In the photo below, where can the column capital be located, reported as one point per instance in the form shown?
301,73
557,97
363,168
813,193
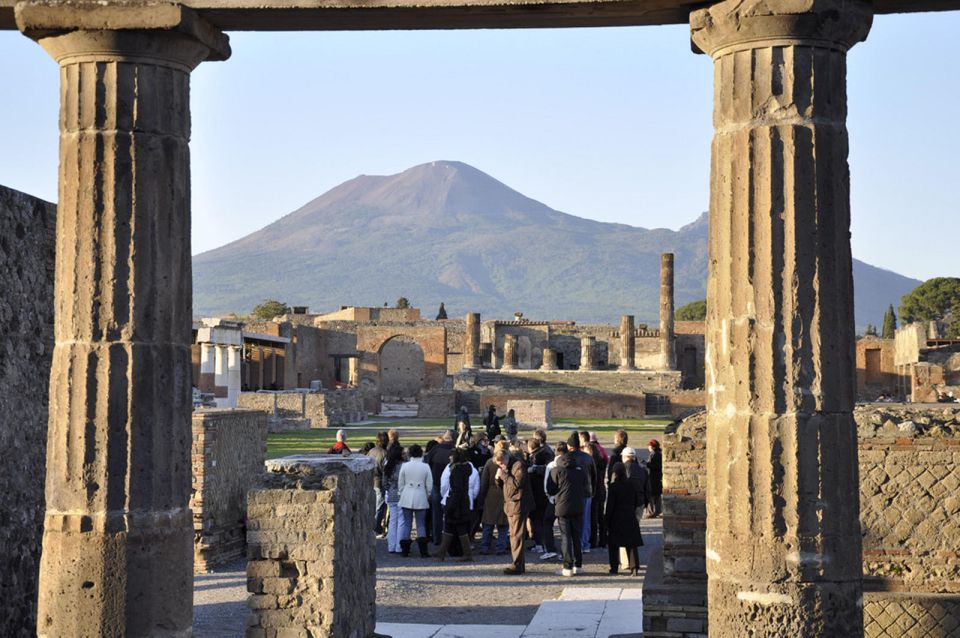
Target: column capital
734,25
165,34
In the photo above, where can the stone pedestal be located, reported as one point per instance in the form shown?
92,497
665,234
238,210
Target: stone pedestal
549,359
532,413
588,353
668,355
509,352
312,558
118,535
628,344
471,341
783,536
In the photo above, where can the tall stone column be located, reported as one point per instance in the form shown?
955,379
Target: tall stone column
668,355
233,376
208,358
220,378
628,344
117,544
783,534
549,359
471,341
509,352
588,353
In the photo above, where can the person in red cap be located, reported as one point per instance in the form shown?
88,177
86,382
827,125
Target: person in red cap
655,468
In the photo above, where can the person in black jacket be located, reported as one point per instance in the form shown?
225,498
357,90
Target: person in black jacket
568,483
585,461
620,440
622,525
655,468
492,423
539,457
457,511
637,475
437,458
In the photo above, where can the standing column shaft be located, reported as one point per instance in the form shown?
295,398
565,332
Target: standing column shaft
208,357
117,544
549,359
233,376
668,355
588,353
628,343
783,534
509,352
471,341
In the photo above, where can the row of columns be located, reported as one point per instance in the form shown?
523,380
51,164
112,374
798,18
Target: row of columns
783,544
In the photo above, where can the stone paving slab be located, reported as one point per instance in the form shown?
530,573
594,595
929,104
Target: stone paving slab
409,630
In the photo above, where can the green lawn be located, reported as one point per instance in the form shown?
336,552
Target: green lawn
422,430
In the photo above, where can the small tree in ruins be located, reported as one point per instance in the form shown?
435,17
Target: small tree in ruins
693,311
403,302
269,309
442,312
889,324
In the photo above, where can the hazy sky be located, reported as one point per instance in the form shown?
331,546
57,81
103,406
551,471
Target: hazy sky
610,124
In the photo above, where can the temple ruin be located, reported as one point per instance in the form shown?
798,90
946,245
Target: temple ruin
781,443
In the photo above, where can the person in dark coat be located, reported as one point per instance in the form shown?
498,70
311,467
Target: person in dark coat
437,458
457,509
598,525
539,457
622,526
585,461
620,440
462,415
517,503
567,482
638,476
492,423
491,500
655,468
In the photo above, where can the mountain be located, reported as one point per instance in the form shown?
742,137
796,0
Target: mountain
446,231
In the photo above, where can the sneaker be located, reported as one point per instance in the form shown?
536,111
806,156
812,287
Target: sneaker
576,570
548,555
380,537
567,572
585,550
537,549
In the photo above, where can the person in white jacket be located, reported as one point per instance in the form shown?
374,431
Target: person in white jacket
416,484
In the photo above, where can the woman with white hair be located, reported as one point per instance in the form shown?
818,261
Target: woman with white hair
340,447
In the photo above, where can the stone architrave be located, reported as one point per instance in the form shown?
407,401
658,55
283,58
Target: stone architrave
783,535
471,341
628,344
118,535
549,359
509,352
588,353
668,355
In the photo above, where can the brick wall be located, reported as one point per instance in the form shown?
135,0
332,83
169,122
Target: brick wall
312,559
229,447
532,414
303,410
27,238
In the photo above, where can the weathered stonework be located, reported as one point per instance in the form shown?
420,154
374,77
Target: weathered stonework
628,344
781,442
668,353
312,554
588,353
305,410
549,359
532,414
509,352
471,341
26,341
229,447
117,544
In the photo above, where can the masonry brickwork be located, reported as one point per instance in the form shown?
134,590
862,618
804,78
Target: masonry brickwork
305,410
312,559
229,448
532,414
27,227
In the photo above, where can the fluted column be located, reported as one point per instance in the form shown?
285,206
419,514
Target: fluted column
668,355
471,341
117,544
628,344
509,352
783,535
588,353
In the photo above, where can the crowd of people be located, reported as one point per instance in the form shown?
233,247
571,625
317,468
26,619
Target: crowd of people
510,492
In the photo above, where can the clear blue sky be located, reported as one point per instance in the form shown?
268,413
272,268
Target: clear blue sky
610,124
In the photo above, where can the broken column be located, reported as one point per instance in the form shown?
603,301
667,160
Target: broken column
588,353
783,535
118,535
471,341
668,355
509,352
549,359
628,344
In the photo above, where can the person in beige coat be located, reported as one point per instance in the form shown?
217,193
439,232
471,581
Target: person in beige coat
416,485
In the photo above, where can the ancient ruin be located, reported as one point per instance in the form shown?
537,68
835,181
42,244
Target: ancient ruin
781,448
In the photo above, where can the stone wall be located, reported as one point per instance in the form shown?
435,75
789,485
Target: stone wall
436,404
27,239
312,559
876,372
532,414
304,410
229,447
909,459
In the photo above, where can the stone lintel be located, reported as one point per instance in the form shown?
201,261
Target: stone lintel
40,20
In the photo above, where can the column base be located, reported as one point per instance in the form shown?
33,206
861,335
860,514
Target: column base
794,608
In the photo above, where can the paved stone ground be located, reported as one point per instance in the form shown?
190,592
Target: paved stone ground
426,591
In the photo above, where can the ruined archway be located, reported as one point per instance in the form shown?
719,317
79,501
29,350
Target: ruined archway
402,370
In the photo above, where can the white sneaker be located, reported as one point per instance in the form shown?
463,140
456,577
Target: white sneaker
575,571
548,555
567,572
538,549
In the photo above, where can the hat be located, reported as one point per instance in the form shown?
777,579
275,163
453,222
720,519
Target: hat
593,436
654,443
628,451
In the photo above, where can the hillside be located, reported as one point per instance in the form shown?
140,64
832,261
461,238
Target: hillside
446,231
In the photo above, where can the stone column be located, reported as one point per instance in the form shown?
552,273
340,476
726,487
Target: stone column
208,358
509,352
220,375
549,359
471,341
118,537
783,534
628,344
588,353
233,375
668,355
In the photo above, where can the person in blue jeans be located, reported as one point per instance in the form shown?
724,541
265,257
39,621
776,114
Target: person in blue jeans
585,461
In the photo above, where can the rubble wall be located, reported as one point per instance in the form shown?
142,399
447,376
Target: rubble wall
27,240
229,448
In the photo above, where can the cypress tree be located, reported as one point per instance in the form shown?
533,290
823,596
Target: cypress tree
442,313
889,323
